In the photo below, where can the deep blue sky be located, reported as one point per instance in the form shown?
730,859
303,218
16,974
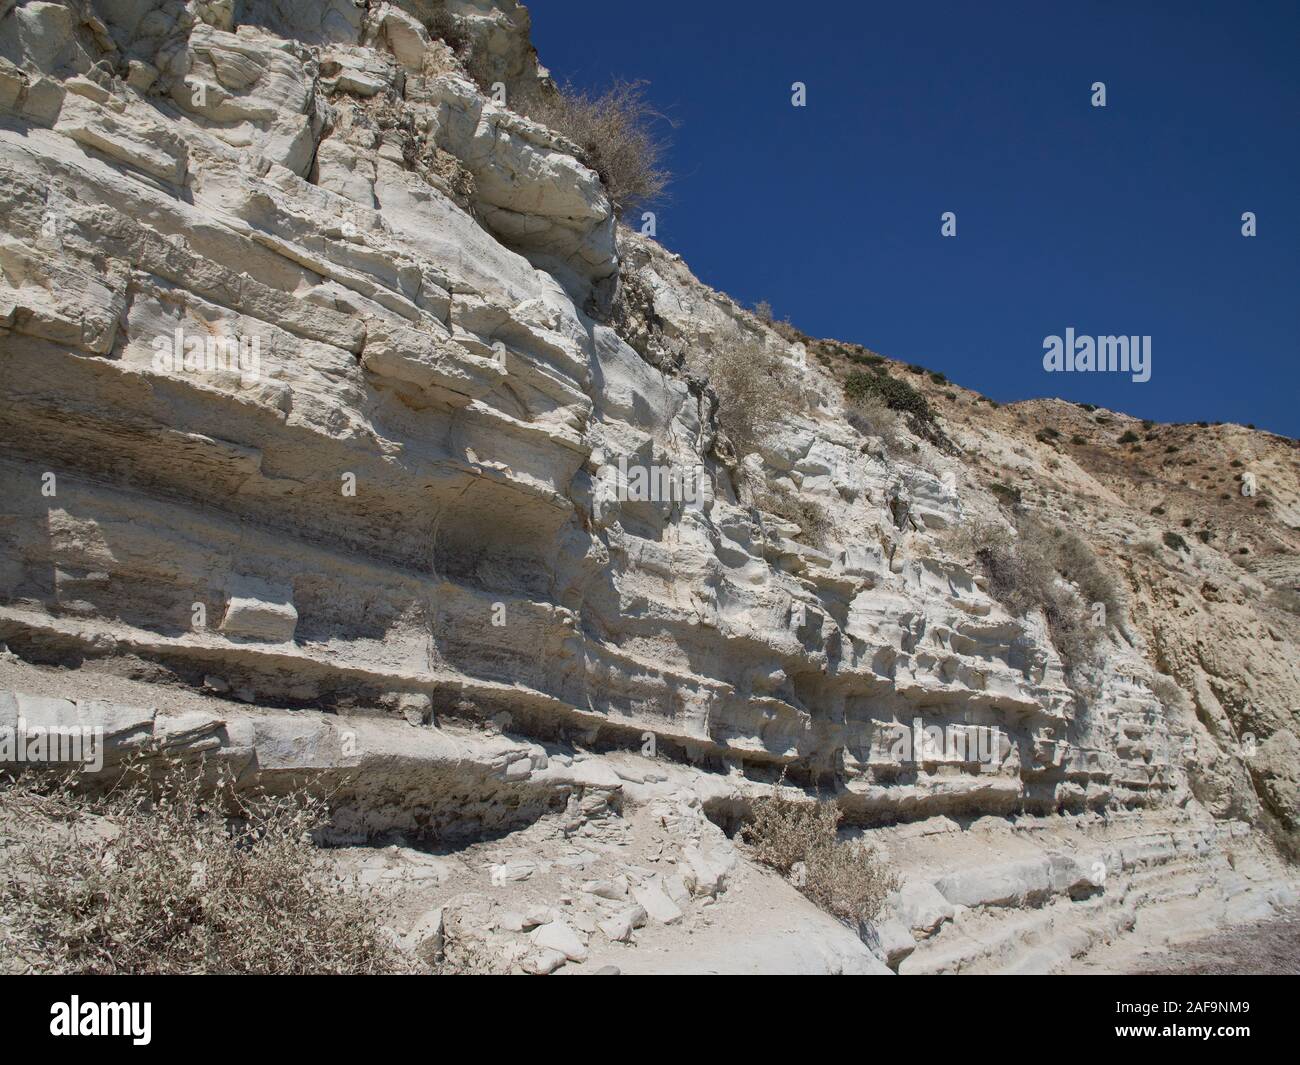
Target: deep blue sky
1115,220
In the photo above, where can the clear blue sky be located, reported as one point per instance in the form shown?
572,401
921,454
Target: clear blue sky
1117,220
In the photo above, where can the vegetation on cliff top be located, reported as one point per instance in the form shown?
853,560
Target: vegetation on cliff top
615,131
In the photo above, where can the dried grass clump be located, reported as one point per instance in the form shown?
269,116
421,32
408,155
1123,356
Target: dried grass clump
1148,548
446,27
801,841
1071,557
1022,572
158,877
870,415
467,955
808,514
751,392
616,134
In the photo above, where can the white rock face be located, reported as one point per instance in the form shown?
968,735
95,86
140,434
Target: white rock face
300,322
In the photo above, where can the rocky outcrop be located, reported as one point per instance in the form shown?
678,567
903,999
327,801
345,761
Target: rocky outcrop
312,409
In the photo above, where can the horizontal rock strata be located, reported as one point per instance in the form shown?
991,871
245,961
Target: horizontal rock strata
314,361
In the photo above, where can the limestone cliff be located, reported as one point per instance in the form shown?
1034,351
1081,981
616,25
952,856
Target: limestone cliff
316,361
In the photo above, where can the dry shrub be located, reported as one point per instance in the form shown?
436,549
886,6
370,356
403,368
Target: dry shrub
751,393
808,514
1022,574
446,27
156,877
473,55
1018,580
1074,635
1147,547
616,134
1071,557
870,415
800,840
792,334
468,955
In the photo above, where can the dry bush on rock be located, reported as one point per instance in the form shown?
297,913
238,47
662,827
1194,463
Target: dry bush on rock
1023,571
808,514
870,415
751,393
800,840
1287,599
155,877
615,132
446,27
1070,555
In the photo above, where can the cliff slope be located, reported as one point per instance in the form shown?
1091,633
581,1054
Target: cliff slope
331,387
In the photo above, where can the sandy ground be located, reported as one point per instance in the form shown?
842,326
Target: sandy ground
1271,948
